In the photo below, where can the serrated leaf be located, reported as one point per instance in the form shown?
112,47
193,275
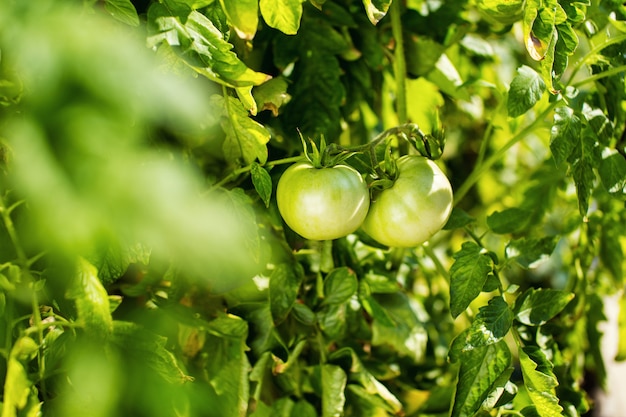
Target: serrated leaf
564,134
612,170
584,178
339,286
481,371
511,220
243,16
122,10
283,15
246,140
376,9
468,275
525,91
203,47
262,182
527,251
539,384
536,306
92,300
284,285
491,324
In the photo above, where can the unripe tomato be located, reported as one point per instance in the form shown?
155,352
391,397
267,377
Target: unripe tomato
322,203
414,208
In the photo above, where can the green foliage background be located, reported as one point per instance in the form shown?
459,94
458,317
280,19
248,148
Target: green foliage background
145,270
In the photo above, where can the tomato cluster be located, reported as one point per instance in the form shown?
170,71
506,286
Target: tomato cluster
331,202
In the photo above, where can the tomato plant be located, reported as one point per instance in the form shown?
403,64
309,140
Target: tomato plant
145,267
414,208
322,203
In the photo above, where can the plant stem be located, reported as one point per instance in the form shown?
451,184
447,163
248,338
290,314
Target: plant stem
399,61
234,174
592,52
479,170
601,75
326,256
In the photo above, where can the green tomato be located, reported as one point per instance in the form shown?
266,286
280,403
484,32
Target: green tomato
414,208
322,203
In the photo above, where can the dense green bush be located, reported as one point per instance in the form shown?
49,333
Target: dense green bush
145,269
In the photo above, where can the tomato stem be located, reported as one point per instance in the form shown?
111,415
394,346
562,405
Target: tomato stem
234,174
326,258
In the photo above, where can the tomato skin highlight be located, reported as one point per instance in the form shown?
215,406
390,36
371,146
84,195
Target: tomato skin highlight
414,208
322,203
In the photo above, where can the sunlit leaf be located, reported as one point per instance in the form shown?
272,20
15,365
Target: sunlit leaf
92,300
540,382
527,251
467,276
491,324
612,170
243,15
565,132
122,10
536,306
376,9
283,15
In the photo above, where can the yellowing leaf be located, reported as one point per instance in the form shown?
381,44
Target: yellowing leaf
243,16
283,15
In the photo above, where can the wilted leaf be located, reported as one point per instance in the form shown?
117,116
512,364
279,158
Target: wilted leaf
467,276
536,306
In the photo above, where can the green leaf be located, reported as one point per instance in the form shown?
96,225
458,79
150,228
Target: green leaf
539,381
458,218
564,135
339,286
525,91
283,15
149,349
491,324
246,140
332,320
203,47
611,250
511,220
536,306
92,300
396,325
376,9
333,381
122,10
481,371
243,16
262,182
527,251
612,170
17,385
304,314
468,275
584,179
112,259
284,285
272,95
